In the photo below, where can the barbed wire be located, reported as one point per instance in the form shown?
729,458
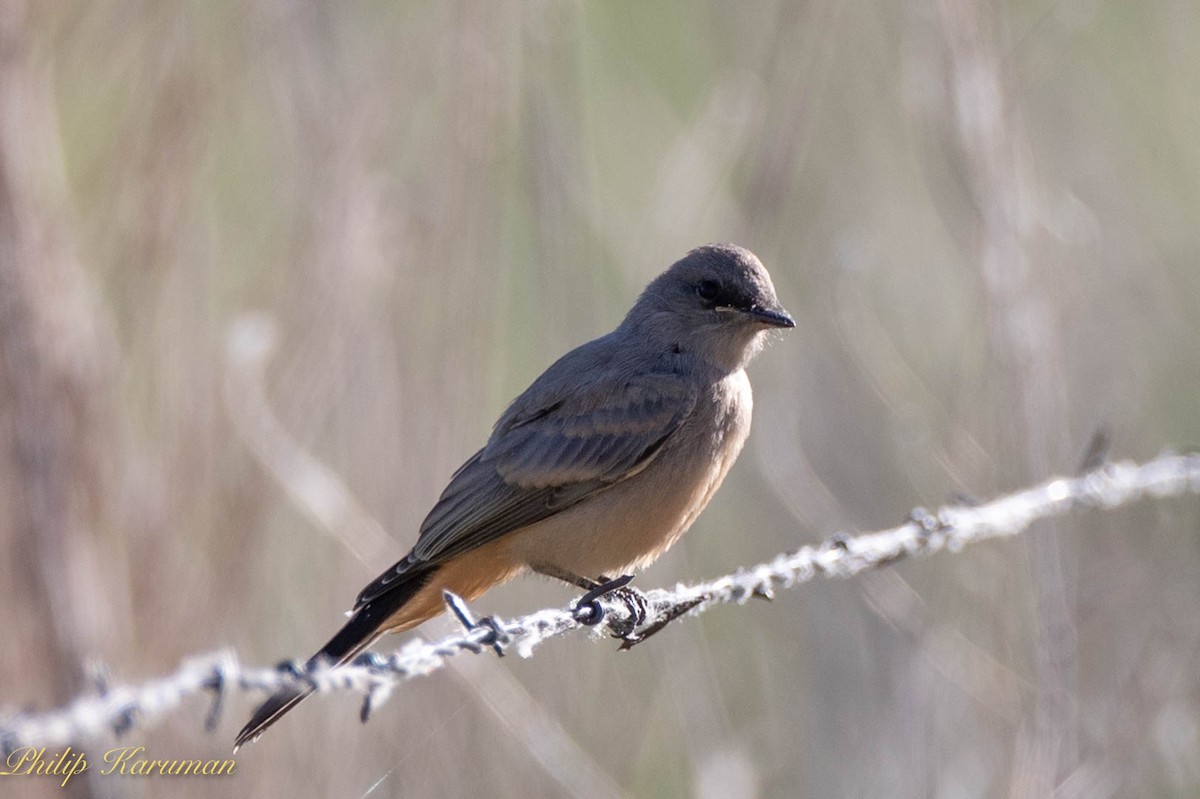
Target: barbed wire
629,615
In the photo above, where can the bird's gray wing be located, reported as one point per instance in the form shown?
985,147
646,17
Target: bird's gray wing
544,459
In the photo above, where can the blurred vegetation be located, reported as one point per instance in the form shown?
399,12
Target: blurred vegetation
983,215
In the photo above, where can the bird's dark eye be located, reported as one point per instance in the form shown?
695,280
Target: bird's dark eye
708,290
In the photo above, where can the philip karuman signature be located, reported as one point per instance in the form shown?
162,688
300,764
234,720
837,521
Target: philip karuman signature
30,761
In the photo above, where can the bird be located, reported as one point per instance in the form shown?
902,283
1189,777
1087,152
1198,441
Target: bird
598,467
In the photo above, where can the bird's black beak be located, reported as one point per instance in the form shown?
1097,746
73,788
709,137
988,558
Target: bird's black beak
774,317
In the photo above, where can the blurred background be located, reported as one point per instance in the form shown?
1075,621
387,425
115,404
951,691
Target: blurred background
270,269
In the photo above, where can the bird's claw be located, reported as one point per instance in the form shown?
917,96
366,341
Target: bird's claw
635,636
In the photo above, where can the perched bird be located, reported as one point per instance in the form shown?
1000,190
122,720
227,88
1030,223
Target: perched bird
599,466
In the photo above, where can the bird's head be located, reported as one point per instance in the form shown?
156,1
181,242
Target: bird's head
717,302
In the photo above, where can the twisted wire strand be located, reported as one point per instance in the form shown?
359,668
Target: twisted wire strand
118,709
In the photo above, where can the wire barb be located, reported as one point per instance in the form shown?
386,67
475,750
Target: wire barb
494,634
217,686
588,609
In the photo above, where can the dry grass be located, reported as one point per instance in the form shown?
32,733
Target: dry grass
983,216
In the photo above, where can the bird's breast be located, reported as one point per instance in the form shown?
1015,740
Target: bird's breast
629,525
733,405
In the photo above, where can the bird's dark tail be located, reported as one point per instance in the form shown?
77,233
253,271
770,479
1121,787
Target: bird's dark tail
363,628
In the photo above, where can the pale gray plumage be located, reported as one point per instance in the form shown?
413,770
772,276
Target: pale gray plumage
600,465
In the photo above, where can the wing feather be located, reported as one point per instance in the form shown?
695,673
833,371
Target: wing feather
544,459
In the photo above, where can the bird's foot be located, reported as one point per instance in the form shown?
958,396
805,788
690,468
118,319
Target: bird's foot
635,636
